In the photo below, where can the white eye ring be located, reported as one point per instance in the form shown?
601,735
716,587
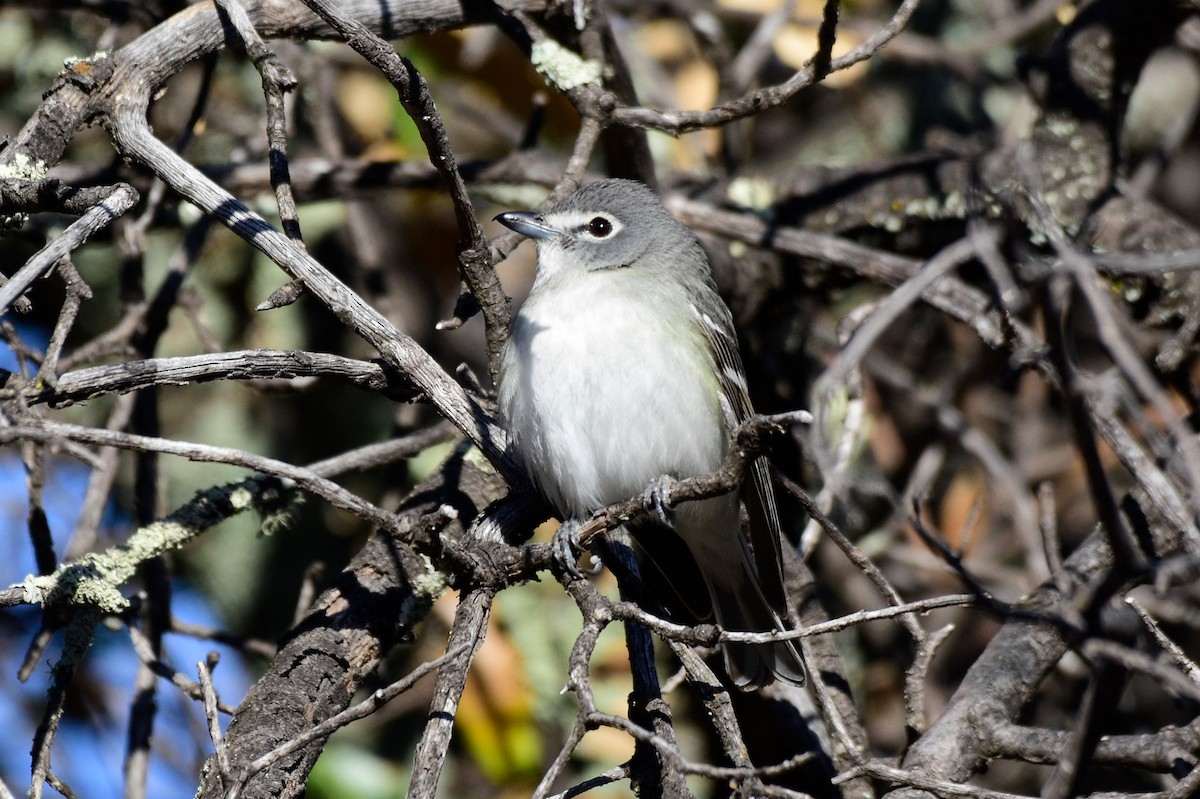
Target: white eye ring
586,225
597,226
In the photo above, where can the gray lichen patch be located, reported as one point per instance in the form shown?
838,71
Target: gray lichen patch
20,167
94,581
563,68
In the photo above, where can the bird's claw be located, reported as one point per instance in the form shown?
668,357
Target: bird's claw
565,549
655,500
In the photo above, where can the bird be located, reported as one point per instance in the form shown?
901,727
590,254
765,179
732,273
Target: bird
622,370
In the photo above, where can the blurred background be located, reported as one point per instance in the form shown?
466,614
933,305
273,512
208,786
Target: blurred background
372,211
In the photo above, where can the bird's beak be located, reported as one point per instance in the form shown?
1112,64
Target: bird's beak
527,223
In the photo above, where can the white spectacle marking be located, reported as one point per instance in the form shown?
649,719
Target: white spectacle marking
577,222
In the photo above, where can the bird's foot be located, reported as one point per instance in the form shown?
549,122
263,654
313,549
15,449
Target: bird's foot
655,500
565,549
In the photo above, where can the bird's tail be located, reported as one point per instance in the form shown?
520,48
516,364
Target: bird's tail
741,607
712,531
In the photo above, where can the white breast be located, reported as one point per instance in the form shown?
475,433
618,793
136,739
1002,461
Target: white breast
597,402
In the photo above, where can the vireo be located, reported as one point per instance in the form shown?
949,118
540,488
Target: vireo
622,367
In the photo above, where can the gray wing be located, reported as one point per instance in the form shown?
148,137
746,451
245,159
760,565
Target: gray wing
758,494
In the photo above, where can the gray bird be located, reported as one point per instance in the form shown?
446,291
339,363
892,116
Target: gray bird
622,367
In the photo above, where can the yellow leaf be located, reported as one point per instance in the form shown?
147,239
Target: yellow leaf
665,40
366,103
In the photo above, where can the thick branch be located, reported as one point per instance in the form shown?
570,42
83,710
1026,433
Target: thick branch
375,603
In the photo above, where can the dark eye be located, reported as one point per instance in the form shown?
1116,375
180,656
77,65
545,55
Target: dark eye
599,227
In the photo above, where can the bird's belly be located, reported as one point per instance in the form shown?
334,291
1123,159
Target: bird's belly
602,413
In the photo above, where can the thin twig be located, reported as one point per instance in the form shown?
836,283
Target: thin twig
277,80
113,206
1176,653
677,122
211,702
304,478
152,660
334,723
474,255
467,634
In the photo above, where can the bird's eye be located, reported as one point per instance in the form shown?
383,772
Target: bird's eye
599,227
